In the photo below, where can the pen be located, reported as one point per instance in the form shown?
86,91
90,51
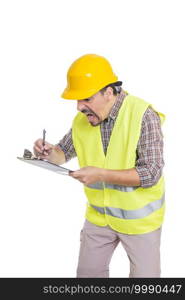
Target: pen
44,137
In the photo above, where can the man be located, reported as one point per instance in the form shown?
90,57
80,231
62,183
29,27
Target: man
119,144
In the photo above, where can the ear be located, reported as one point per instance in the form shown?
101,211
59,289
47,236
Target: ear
108,93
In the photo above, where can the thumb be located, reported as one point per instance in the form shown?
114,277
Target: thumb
74,174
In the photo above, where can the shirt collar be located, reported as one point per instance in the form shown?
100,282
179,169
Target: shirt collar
115,108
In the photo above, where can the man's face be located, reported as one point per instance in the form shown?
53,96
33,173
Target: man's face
94,108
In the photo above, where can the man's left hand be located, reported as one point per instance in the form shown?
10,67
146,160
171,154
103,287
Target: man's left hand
88,175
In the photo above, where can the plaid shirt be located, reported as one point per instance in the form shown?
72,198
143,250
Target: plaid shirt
149,153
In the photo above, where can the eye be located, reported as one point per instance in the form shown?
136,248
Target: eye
87,100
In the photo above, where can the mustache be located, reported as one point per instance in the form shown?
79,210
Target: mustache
89,112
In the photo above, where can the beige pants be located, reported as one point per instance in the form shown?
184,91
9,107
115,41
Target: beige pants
99,243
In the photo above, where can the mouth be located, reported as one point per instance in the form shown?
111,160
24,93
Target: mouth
91,116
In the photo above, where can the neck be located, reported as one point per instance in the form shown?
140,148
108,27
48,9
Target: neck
109,106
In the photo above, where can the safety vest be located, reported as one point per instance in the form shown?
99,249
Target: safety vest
130,210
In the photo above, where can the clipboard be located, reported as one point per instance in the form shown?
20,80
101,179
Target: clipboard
46,165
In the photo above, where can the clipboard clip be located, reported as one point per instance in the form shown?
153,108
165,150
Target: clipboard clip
28,154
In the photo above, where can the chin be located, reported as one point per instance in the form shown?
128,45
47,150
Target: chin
95,124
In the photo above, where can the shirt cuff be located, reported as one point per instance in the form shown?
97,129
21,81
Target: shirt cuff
146,179
65,152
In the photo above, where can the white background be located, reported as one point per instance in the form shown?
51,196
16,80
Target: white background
41,213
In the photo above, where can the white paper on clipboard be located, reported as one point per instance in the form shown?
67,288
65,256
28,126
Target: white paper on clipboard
46,165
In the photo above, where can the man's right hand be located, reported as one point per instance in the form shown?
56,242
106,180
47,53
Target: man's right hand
41,151
50,152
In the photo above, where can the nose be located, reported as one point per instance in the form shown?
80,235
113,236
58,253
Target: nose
80,105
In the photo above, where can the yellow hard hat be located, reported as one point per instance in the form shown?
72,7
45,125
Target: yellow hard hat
87,75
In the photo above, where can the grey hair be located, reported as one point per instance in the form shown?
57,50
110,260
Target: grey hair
116,86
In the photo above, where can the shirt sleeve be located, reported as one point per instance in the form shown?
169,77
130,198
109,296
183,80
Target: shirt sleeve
149,162
66,145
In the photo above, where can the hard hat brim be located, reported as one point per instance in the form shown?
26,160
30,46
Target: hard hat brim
77,95
70,94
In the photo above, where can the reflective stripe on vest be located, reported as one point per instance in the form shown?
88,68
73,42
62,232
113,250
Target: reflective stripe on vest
131,214
121,188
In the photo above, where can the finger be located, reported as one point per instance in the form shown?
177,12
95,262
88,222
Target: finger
72,175
75,173
48,146
37,149
45,153
79,178
38,153
39,143
41,156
